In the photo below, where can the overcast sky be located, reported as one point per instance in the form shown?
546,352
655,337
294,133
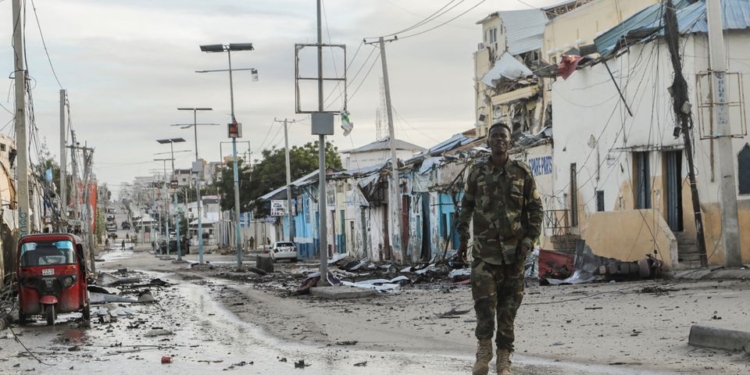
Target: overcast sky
128,65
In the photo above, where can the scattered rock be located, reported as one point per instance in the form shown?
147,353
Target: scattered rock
346,343
158,332
361,364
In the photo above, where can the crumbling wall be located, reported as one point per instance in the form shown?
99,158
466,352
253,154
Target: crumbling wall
630,235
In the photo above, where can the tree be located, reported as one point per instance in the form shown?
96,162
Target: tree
270,173
225,185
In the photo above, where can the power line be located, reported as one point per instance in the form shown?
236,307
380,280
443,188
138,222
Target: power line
446,22
429,18
350,82
44,44
262,144
412,127
365,78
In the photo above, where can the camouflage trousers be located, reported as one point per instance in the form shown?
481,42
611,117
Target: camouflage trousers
497,291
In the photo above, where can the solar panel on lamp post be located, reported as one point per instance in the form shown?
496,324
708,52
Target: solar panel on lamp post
228,48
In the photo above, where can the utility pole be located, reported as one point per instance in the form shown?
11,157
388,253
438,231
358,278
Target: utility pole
234,131
74,179
680,99
88,155
322,206
198,176
288,179
165,200
395,193
730,228
22,144
63,166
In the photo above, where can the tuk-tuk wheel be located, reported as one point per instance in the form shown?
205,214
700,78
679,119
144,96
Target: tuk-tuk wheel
23,319
50,312
87,312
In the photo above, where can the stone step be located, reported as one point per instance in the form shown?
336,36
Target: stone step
690,257
687,249
684,239
689,265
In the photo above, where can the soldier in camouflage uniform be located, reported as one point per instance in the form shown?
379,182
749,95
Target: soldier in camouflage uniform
502,199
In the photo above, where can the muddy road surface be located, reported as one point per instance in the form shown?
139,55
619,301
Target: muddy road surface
194,332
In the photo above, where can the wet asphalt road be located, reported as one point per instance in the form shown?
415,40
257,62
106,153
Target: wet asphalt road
205,338
208,339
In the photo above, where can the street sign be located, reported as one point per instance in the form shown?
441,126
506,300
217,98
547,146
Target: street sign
278,208
234,130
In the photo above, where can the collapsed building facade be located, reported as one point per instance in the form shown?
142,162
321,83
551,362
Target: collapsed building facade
562,77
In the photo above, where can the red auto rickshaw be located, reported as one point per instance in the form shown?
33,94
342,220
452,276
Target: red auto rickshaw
52,276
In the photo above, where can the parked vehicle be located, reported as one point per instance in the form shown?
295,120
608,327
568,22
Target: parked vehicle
52,276
284,250
125,225
184,246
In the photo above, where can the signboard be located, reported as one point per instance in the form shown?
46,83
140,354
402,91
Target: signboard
234,130
278,208
541,166
174,184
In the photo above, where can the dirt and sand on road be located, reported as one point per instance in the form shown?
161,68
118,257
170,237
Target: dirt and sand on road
636,326
198,335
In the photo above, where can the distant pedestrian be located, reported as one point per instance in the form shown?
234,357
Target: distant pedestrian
106,243
127,236
502,200
123,244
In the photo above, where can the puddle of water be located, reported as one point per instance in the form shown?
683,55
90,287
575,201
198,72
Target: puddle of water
72,336
209,332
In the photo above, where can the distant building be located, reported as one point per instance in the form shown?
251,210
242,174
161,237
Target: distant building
183,177
378,152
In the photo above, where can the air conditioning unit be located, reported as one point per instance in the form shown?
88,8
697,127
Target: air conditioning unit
481,118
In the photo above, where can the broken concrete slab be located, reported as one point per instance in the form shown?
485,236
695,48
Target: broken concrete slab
718,338
334,292
99,298
264,263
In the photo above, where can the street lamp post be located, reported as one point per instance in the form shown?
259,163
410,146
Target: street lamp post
198,175
228,48
171,142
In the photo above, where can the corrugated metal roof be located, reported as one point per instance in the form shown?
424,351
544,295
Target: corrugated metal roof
735,15
691,18
525,29
384,144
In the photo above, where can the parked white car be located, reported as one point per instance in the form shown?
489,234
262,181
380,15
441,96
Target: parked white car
283,250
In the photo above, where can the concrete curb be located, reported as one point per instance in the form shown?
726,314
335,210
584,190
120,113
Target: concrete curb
718,338
714,274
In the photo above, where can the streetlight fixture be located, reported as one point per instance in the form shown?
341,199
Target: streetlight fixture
234,127
198,202
161,216
171,142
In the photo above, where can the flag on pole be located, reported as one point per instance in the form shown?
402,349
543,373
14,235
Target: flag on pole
346,124
48,175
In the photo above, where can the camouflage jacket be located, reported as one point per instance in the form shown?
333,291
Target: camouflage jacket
506,208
